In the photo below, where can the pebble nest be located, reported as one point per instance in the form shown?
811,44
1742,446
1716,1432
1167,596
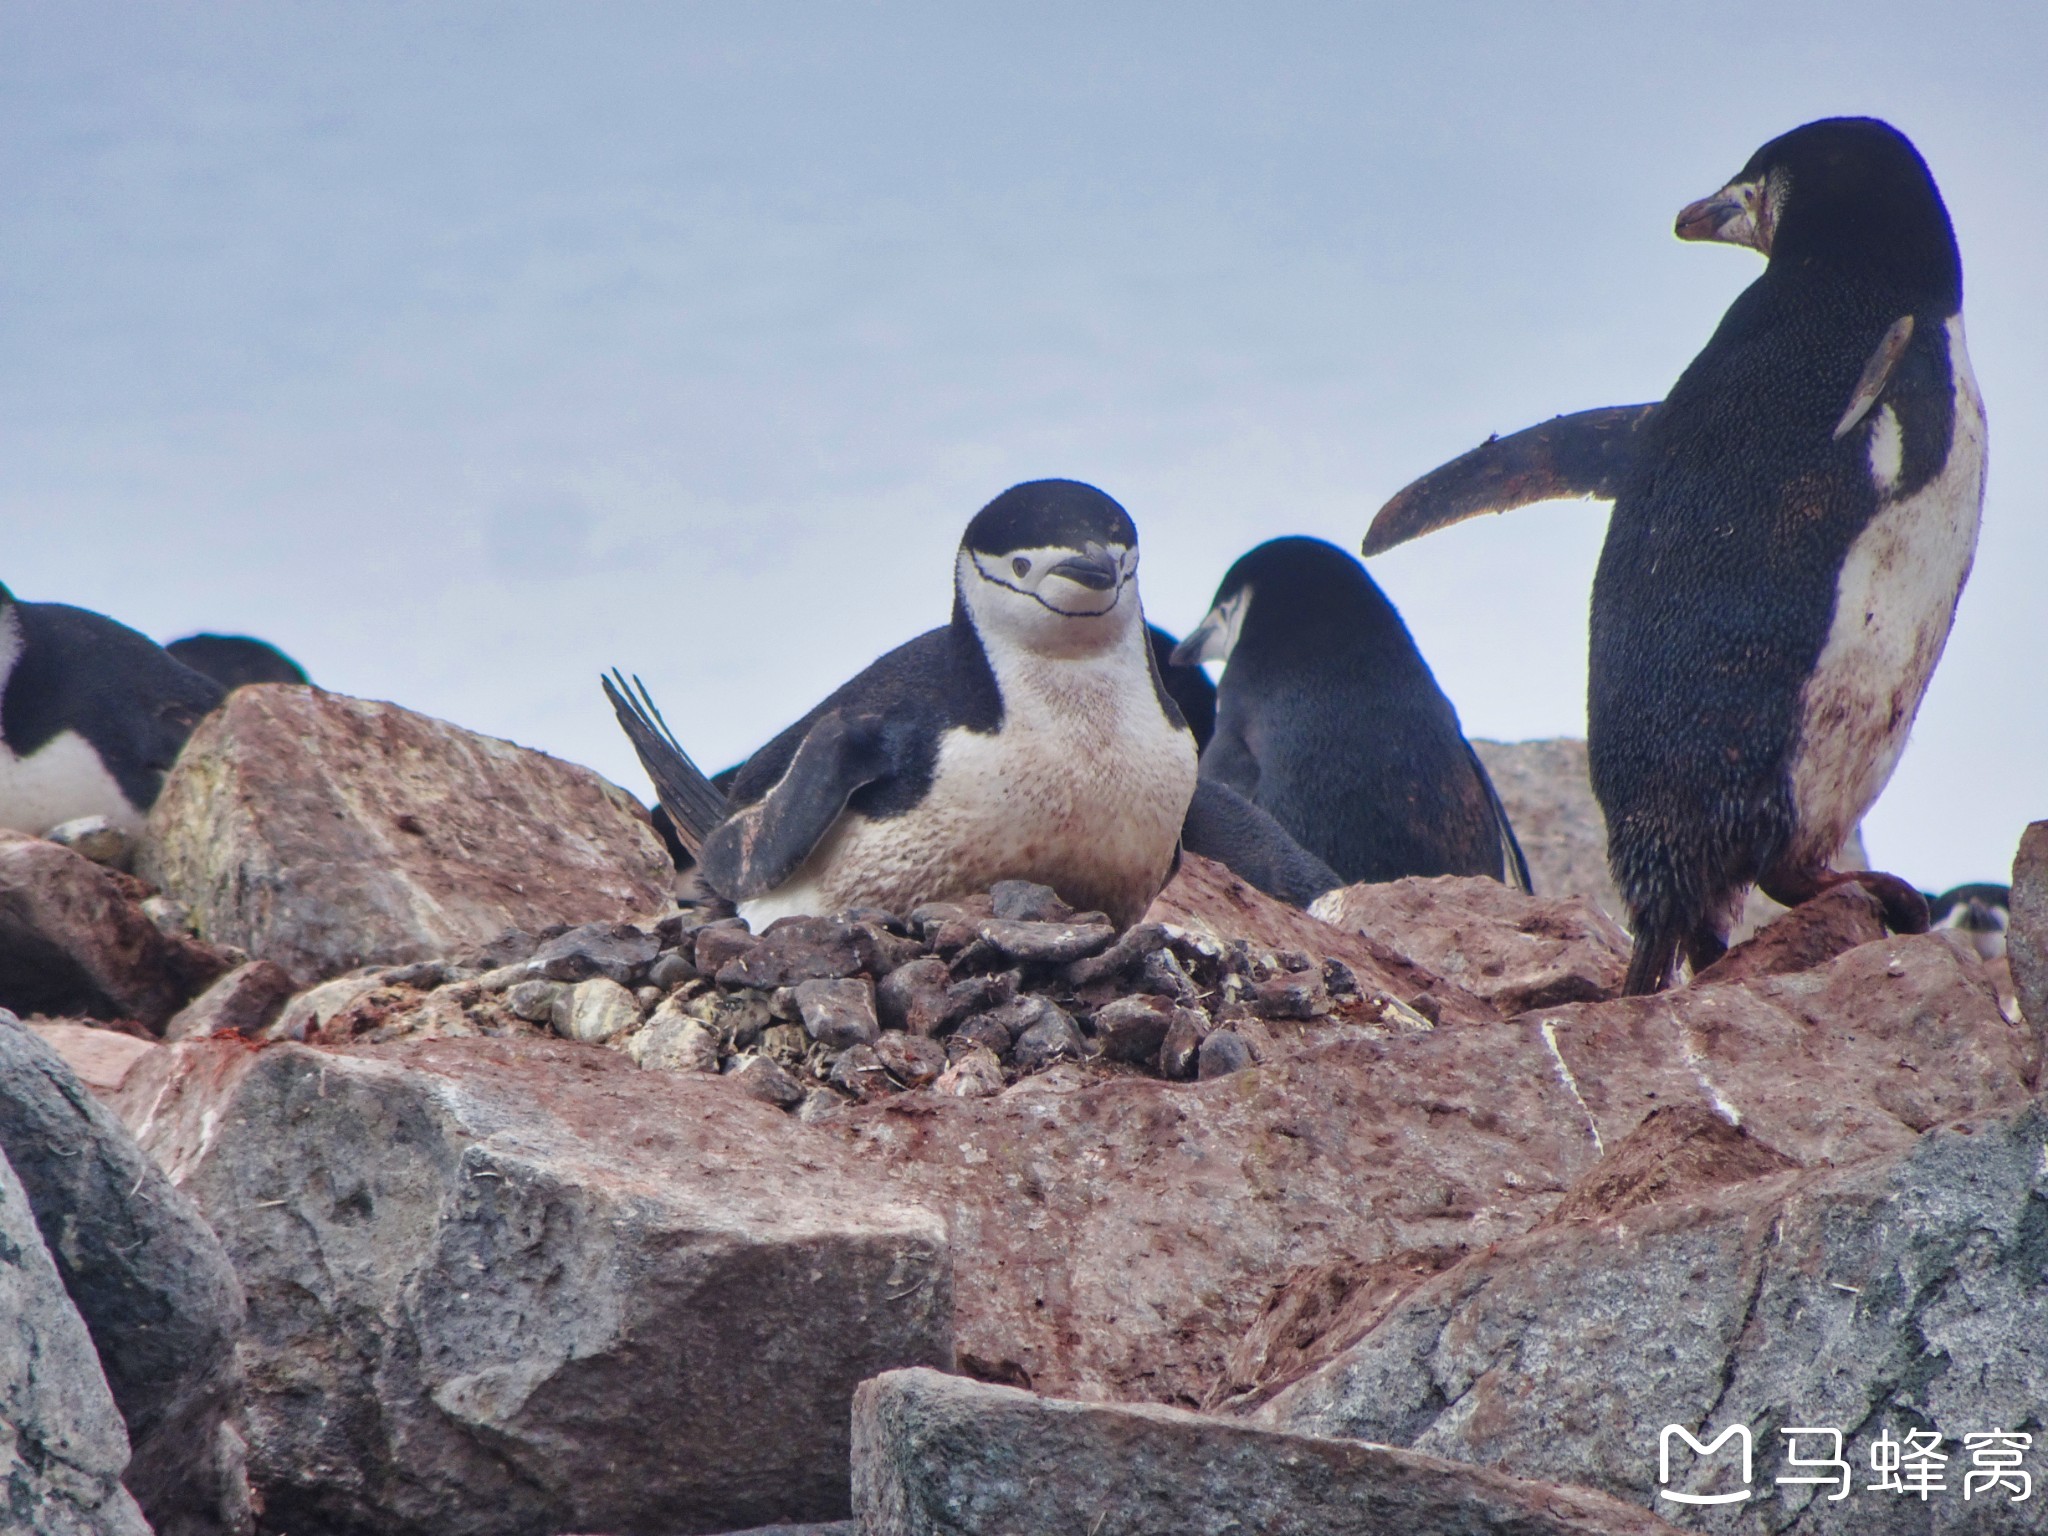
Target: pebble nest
964,998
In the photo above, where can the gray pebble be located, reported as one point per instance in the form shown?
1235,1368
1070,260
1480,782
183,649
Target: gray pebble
1053,1038
534,1001
1222,1053
839,1013
768,1082
670,971
1133,1028
595,1010
1179,1052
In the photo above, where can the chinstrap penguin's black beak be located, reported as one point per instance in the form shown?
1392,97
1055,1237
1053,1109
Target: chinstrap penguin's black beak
1097,569
1189,652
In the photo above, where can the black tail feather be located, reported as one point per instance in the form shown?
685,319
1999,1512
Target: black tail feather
694,804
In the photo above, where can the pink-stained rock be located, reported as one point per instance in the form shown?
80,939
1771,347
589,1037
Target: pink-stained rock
1514,950
102,1058
324,833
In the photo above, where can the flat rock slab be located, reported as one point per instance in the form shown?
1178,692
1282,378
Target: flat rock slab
522,1287
939,1455
102,1058
1515,950
1119,1240
62,1445
324,833
1900,1294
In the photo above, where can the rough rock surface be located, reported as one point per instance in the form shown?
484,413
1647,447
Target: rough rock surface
1901,1294
240,1003
102,1058
2027,937
325,833
938,1455
1811,934
1118,1237
521,1286
150,1280
62,1446
74,940
1515,950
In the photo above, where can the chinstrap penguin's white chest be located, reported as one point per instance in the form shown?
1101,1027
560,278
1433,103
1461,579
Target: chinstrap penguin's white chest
62,779
1084,788
1894,603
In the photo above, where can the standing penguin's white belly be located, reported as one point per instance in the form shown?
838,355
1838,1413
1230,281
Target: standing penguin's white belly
1894,602
1084,788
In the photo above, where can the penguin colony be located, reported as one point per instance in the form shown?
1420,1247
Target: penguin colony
1791,531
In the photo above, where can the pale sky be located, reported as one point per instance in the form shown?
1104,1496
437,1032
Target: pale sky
465,350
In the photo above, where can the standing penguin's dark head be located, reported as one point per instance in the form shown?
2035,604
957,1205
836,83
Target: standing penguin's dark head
1051,566
1848,194
1297,586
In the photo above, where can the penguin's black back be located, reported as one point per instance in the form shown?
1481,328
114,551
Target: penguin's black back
1715,590
1328,719
121,691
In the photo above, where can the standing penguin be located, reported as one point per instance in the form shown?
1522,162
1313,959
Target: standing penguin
1328,718
92,715
1029,739
1786,552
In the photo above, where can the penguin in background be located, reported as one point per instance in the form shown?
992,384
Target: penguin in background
1329,720
1791,532
92,715
236,661
1981,912
1030,738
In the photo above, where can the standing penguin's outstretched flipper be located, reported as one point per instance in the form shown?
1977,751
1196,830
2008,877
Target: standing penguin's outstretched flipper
1585,454
1514,867
1223,825
762,844
694,804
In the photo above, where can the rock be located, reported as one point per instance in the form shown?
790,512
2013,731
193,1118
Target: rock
102,1058
764,1078
670,970
74,940
95,838
148,1277
64,1447
1547,790
911,1059
1221,1052
1052,1038
838,1013
858,1070
914,996
1023,902
1133,1028
1132,948
1291,995
974,1074
1206,899
243,1002
937,1455
793,949
675,1042
1810,934
1900,1293
2026,938
984,1031
615,950
1180,1050
719,943
1128,1232
515,1286
1515,950
1680,1150
594,1011
1032,943
326,833
535,1001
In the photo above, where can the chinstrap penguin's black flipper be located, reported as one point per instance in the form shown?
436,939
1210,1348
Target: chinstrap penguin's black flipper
1784,559
1031,738
1222,825
92,715
1581,456
236,661
1328,719
1187,685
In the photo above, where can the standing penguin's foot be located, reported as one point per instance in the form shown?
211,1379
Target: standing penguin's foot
1905,909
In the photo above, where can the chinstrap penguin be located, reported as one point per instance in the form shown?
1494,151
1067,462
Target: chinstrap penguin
1980,912
92,715
1031,738
1328,718
236,661
1786,554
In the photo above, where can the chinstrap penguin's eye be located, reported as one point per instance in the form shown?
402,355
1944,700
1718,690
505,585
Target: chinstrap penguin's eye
1021,566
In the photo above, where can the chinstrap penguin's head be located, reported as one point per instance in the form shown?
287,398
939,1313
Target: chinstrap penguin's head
1844,193
1980,912
1316,591
1051,566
